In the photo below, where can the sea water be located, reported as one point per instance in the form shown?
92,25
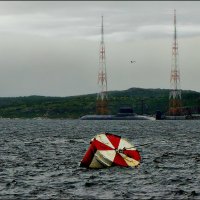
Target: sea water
39,159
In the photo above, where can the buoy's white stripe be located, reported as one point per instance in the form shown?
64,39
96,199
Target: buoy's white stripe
103,139
108,154
123,143
95,163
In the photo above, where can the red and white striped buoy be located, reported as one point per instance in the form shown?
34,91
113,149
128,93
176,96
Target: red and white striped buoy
108,150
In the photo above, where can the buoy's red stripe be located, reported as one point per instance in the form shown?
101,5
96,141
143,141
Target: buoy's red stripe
132,154
114,140
87,159
101,146
118,160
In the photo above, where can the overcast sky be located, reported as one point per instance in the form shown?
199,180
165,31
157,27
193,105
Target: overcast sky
51,48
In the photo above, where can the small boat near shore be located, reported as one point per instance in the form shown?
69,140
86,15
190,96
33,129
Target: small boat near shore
161,116
116,117
125,113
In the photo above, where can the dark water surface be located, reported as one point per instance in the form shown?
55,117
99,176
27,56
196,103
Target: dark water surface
40,159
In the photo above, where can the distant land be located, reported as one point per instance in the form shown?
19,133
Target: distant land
142,100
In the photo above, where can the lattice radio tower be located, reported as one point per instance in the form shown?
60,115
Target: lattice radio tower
102,96
175,93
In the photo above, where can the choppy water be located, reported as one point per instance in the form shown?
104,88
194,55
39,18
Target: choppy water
40,159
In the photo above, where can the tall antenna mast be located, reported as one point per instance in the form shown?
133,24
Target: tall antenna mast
175,93
102,97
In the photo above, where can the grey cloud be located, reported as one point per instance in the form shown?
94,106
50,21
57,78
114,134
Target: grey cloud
83,18
51,48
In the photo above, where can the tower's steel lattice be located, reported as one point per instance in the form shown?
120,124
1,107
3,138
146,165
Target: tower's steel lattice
102,96
175,93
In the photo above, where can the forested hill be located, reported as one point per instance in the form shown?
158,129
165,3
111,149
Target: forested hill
76,106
